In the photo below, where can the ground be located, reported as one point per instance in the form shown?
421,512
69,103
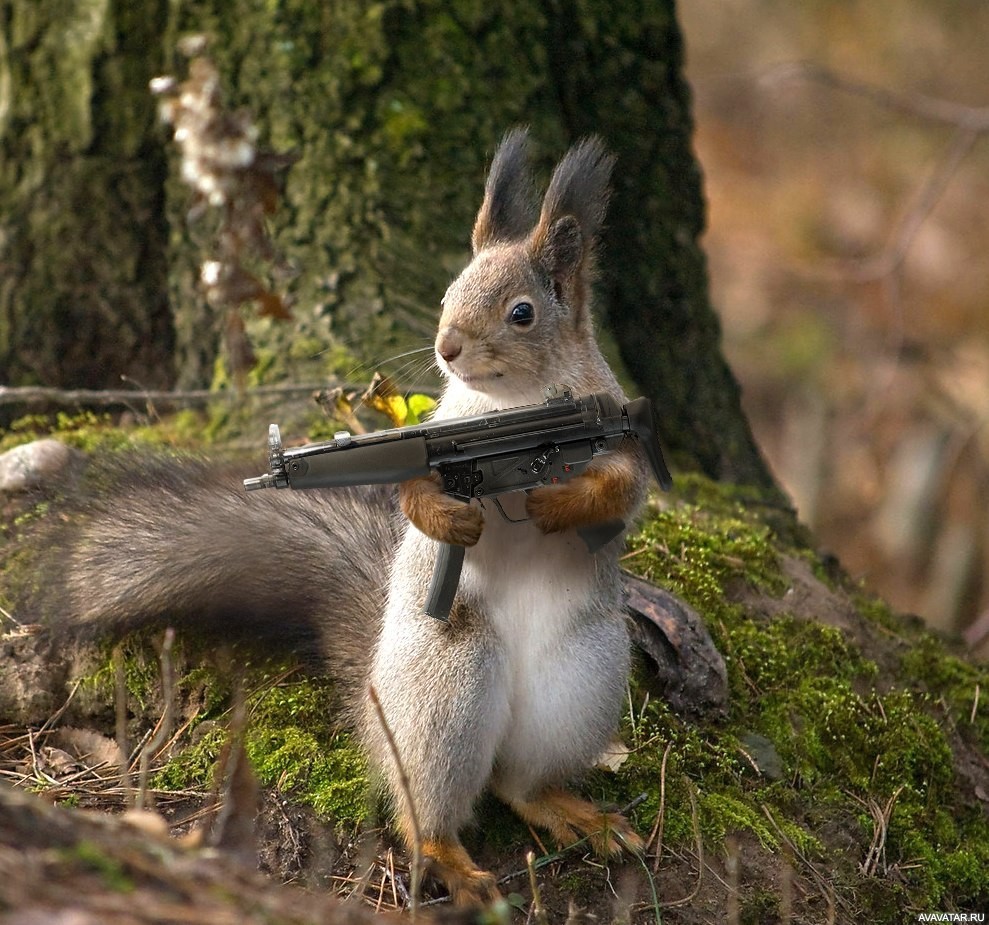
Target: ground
845,777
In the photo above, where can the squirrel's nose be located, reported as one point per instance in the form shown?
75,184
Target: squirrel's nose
449,344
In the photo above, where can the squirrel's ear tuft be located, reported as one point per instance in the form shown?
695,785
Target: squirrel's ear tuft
579,187
571,217
560,252
509,208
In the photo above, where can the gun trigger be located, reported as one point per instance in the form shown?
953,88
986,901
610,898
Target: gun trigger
504,513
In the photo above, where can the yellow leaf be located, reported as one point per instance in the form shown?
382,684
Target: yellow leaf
393,405
384,397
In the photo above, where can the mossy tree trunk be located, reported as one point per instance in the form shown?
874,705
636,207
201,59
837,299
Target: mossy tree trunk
82,232
393,109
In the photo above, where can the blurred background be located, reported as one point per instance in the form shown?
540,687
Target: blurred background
846,162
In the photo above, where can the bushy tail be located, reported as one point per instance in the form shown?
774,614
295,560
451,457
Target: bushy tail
181,543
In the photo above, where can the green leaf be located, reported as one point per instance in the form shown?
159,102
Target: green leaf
418,406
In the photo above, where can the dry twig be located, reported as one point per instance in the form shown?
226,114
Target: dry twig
164,724
407,792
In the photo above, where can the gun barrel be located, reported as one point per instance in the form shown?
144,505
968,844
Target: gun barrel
262,481
358,464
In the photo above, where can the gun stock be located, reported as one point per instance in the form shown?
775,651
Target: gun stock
640,420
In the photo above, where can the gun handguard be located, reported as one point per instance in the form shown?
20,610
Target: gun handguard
479,456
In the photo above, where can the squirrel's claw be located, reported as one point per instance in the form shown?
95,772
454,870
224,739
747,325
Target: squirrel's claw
569,818
616,836
450,863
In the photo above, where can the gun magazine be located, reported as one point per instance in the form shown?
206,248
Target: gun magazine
445,580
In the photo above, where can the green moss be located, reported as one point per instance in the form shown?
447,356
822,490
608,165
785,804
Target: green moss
847,745
697,554
99,433
295,744
142,674
879,612
722,814
193,767
963,687
85,430
292,742
291,738
760,907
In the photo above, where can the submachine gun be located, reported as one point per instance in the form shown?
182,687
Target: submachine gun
479,456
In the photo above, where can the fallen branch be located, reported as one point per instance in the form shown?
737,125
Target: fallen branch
103,398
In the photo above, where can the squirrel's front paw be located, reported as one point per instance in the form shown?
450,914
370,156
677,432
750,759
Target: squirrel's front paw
604,493
556,507
437,514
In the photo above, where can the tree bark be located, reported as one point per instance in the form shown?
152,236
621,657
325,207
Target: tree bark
82,231
626,83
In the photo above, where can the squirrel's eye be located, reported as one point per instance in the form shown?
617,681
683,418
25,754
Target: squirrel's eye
523,314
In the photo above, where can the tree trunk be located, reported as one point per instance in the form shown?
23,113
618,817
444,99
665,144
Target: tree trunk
82,231
393,109
627,84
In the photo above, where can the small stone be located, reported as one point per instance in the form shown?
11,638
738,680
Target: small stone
763,755
147,821
34,465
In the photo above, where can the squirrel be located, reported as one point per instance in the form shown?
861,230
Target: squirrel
524,686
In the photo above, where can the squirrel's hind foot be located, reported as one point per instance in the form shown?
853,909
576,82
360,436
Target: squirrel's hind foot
450,863
570,818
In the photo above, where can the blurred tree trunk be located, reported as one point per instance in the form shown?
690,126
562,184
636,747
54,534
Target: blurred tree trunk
393,109
82,233
628,85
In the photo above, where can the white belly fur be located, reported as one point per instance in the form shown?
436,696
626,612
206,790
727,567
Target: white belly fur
565,669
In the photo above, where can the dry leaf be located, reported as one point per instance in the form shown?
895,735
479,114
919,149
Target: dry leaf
339,405
613,757
88,748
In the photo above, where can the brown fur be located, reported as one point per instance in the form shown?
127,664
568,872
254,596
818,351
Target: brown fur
438,515
569,818
609,491
449,861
